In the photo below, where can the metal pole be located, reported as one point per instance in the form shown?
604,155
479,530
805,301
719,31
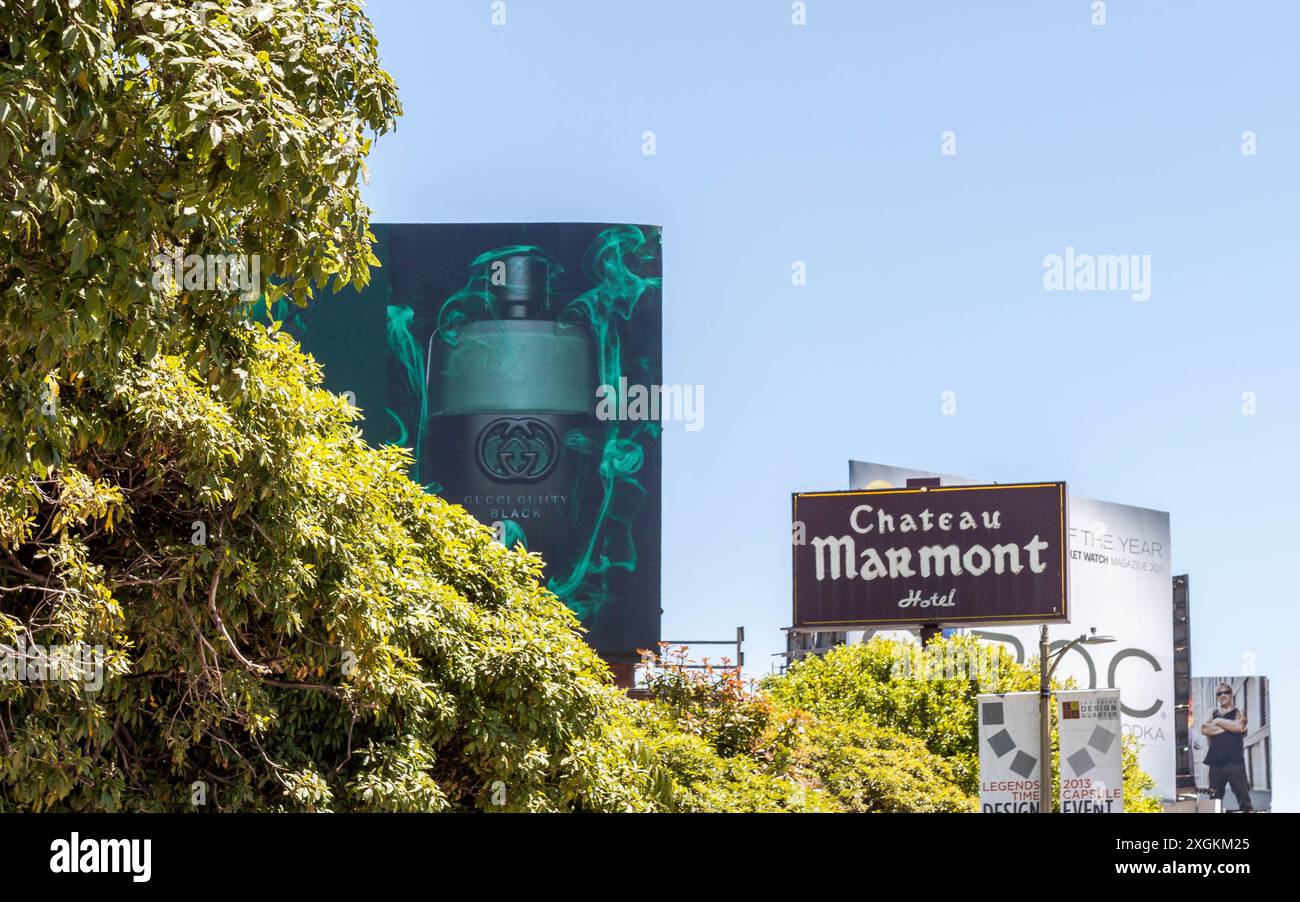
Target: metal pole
1044,726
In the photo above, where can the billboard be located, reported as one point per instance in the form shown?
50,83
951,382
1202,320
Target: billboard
1120,583
485,349
990,554
1009,753
1232,754
1091,779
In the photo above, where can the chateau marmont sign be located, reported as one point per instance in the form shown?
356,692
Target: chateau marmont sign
948,555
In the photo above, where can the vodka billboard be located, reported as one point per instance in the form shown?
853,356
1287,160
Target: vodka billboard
485,348
1092,767
1010,764
1120,583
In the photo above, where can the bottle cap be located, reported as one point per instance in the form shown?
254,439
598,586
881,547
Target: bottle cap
526,291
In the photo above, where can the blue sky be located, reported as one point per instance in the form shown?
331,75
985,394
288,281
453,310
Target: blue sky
821,143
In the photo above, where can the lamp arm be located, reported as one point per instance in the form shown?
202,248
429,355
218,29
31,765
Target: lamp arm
1056,658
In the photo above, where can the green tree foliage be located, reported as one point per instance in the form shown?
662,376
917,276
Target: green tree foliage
930,698
130,130
342,640
1138,784
867,768
742,751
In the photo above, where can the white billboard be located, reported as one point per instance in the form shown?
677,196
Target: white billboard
1091,777
1009,753
1121,584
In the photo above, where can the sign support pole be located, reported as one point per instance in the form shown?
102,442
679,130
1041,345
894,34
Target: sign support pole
1044,725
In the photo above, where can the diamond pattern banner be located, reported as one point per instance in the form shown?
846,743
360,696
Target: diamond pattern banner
1092,769
1009,755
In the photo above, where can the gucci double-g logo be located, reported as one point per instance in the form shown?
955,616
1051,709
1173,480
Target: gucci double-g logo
517,449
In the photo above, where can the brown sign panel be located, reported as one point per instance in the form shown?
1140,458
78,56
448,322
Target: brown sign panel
951,555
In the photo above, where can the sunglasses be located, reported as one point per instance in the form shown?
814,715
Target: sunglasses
1221,694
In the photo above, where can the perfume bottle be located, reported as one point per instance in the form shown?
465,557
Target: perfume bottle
511,425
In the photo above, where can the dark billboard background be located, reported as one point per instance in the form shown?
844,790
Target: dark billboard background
481,346
838,529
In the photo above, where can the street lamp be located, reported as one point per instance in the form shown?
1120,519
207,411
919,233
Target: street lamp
1046,667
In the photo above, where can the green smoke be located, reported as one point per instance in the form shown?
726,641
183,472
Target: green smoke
402,343
619,288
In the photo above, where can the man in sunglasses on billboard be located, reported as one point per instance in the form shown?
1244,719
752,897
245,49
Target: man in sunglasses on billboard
1226,756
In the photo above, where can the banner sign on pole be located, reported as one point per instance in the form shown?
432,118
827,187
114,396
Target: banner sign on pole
1092,767
1009,753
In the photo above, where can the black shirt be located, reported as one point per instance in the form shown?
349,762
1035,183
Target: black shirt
1226,747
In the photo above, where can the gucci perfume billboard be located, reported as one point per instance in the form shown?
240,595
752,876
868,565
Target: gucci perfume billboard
484,348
